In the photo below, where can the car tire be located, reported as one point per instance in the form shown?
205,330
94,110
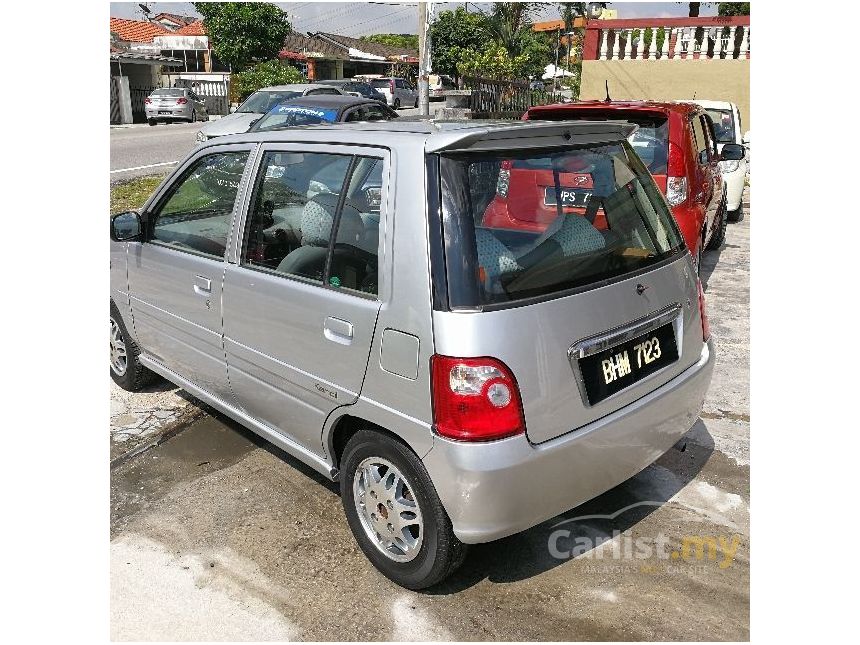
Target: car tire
396,104
438,552
193,116
153,122
134,376
736,215
719,235
416,103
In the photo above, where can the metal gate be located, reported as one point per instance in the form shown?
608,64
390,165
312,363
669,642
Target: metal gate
214,93
138,107
114,101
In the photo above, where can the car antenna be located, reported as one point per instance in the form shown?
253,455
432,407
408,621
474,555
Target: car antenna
607,99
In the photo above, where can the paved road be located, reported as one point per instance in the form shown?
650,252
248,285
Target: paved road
135,150
215,534
140,150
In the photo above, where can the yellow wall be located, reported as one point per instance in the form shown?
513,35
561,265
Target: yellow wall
670,80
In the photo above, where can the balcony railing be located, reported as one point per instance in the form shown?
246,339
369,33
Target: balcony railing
716,38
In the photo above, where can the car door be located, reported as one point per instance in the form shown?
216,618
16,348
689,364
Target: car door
175,275
704,182
300,294
716,174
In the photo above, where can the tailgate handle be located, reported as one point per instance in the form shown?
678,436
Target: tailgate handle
337,330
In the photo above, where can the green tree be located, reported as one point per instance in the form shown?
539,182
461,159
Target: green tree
733,8
244,33
270,72
492,62
508,23
406,41
452,34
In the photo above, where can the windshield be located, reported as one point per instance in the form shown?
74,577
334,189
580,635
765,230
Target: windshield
286,116
542,223
724,125
261,102
381,82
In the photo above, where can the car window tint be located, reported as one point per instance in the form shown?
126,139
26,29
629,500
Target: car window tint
196,216
699,139
297,205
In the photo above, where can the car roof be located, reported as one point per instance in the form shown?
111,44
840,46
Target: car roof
623,106
438,134
717,105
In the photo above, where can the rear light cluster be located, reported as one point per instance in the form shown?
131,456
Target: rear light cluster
181,101
676,190
706,327
475,399
391,86
504,180
147,100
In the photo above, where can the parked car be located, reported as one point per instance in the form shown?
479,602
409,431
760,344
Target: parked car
313,110
439,84
336,292
676,142
398,92
727,129
356,88
258,104
174,104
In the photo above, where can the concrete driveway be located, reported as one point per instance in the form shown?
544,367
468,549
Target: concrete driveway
217,535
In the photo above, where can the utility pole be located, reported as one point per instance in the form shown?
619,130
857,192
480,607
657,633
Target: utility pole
424,58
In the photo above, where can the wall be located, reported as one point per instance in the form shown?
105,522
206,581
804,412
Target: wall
669,80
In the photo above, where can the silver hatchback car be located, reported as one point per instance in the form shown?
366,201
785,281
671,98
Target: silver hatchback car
175,104
335,289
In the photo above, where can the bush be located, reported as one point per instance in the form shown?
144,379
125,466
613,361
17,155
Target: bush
271,72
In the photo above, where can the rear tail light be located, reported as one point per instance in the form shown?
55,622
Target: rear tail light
504,179
181,101
676,190
706,327
475,399
391,85
147,100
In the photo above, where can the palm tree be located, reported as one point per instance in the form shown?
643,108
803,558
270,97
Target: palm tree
508,19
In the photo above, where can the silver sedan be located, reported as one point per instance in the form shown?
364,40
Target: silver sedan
175,104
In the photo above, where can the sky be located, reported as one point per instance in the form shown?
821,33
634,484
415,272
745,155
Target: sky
362,18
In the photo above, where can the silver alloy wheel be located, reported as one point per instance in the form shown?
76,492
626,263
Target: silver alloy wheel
388,509
118,355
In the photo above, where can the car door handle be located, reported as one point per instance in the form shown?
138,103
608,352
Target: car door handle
202,286
337,330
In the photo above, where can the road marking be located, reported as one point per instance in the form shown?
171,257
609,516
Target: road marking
152,165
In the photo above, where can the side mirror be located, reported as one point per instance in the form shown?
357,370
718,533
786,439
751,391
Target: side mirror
746,138
732,152
125,227
233,108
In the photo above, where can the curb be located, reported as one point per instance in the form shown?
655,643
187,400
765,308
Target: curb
191,414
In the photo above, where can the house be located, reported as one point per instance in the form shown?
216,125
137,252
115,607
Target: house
323,55
190,44
174,21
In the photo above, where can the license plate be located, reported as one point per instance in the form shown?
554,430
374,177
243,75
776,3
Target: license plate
165,112
569,196
619,367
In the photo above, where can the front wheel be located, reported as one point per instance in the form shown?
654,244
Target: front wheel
719,235
125,367
152,122
396,104
416,102
737,214
394,512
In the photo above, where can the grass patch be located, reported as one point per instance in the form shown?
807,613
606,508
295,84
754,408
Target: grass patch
131,195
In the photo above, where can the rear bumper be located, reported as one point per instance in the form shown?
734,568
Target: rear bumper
175,115
497,489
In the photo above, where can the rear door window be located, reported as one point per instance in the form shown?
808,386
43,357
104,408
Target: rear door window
543,223
699,139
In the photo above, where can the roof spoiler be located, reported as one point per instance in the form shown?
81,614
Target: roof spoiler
531,134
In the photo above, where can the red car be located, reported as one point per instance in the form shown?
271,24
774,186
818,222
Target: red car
674,140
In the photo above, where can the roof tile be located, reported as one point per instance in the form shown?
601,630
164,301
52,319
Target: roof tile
137,31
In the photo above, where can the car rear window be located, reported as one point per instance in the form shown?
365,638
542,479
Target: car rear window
544,223
169,92
287,116
381,82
